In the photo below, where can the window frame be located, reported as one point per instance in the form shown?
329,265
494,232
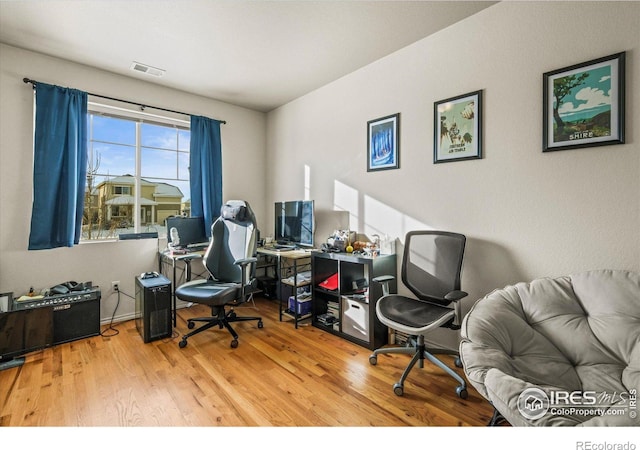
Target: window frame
139,117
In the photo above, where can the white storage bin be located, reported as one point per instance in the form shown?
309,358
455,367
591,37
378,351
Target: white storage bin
355,318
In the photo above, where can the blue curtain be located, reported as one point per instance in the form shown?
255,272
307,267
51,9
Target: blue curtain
205,170
59,167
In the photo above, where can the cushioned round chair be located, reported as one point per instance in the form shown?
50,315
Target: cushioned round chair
562,351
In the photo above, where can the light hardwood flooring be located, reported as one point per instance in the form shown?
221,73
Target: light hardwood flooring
278,376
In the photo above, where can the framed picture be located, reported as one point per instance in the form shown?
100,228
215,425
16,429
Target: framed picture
584,105
457,124
383,143
6,301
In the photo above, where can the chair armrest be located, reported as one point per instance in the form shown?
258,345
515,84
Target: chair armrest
246,281
245,261
384,280
454,296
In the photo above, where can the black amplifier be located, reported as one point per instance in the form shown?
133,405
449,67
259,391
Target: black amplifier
59,299
76,315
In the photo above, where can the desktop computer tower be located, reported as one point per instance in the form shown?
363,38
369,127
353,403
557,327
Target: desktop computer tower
153,307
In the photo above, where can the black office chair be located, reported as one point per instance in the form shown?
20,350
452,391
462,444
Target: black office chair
230,260
431,268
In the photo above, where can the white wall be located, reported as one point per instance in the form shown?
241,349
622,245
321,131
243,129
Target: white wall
243,143
526,214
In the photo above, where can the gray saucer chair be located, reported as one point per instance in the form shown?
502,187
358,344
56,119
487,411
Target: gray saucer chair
431,267
230,260
558,351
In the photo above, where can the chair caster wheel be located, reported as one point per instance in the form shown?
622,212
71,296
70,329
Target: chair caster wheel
234,343
373,360
398,389
260,324
182,343
232,314
190,325
462,392
458,362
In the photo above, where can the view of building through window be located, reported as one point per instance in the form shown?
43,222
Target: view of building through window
137,175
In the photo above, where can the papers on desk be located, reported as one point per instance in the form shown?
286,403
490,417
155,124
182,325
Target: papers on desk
301,278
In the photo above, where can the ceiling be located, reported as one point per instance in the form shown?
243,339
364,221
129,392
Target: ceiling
259,54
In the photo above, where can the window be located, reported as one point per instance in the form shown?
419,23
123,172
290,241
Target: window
121,190
137,174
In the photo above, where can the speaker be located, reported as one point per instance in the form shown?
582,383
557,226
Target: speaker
153,307
76,320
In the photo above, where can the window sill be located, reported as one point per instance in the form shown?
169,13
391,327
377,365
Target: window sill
96,241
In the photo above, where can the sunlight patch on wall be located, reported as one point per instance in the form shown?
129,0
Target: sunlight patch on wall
370,216
382,219
307,182
345,198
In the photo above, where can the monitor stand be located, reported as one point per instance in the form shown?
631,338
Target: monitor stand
11,363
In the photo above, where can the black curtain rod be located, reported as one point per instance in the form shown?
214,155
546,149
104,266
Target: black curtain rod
142,106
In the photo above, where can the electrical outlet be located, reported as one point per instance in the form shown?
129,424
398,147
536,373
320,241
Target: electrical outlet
115,285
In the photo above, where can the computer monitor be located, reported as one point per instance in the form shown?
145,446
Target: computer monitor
190,231
294,222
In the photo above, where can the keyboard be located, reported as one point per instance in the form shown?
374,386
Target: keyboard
198,246
283,247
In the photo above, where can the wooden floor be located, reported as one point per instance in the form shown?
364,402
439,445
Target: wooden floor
278,376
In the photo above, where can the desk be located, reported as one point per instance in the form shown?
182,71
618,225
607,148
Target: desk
288,266
165,257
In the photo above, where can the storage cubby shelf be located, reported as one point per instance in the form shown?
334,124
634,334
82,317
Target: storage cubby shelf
353,302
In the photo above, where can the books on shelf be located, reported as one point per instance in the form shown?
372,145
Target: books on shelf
333,308
327,319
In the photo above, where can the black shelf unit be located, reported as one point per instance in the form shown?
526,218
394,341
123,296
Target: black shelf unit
267,275
283,272
291,269
353,303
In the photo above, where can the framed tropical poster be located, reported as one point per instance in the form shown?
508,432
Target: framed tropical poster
584,104
457,124
383,143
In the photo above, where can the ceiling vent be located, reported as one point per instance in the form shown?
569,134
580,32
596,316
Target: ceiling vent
144,68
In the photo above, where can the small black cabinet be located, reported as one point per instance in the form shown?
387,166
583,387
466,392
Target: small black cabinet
349,310
153,308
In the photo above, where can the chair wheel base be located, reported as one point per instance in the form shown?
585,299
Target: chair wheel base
373,360
458,363
462,392
398,389
190,325
260,324
182,343
234,343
